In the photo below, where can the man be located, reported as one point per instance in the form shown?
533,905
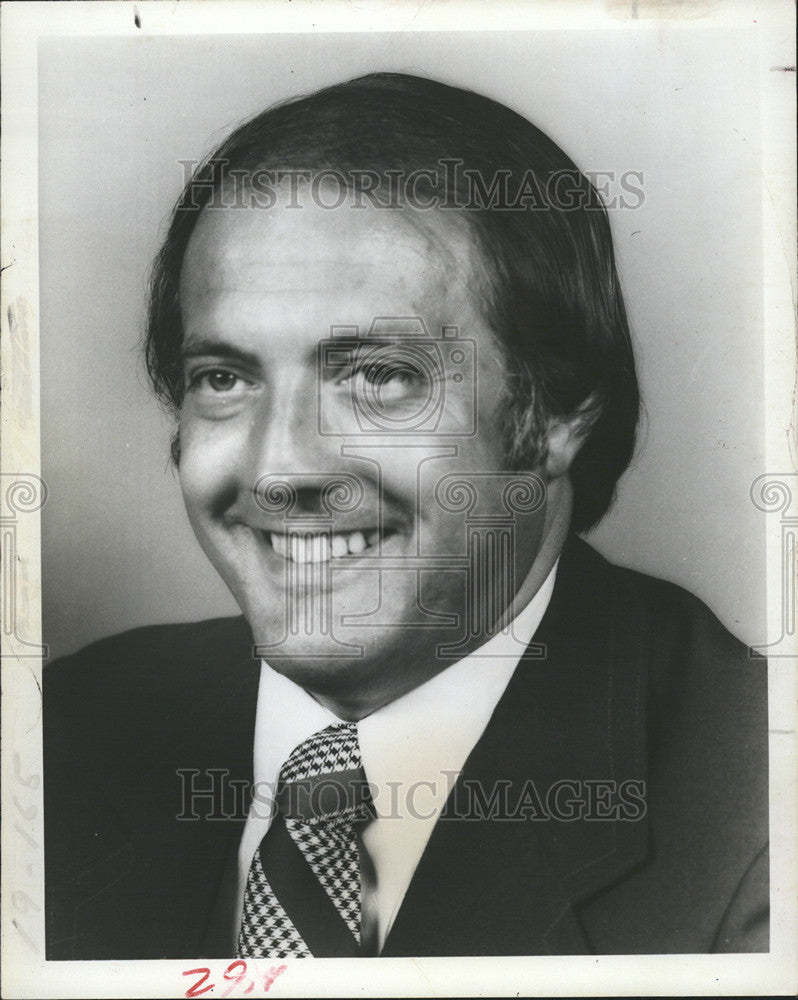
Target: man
388,322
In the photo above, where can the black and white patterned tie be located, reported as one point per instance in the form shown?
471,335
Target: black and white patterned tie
303,893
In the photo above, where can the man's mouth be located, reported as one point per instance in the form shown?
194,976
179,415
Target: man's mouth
312,547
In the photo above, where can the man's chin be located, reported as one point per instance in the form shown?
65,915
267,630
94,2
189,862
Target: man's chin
354,671
366,615
324,654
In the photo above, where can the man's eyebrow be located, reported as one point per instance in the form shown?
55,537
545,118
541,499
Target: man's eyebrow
195,348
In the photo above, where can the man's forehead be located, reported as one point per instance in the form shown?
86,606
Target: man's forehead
293,248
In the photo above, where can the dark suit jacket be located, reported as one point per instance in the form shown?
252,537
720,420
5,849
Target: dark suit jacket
639,683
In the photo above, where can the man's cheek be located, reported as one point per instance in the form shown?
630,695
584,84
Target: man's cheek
195,483
206,467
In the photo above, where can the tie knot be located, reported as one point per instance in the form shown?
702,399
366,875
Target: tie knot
333,749
323,778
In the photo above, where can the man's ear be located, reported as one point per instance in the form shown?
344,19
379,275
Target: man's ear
566,435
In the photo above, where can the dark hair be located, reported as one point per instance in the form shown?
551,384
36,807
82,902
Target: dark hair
555,302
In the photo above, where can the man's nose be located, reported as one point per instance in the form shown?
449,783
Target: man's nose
284,434
285,443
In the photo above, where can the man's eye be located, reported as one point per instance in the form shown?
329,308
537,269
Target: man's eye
391,373
387,383
221,381
217,380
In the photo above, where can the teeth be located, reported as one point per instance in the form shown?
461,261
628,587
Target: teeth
312,548
356,542
339,546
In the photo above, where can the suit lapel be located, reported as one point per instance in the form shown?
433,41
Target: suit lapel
510,885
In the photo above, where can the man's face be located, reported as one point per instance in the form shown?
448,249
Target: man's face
260,291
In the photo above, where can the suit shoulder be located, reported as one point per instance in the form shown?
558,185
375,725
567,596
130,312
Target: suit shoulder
155,643
671,609
696,667
684,629
707,690
142,665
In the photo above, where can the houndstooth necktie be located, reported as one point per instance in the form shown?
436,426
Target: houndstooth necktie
303,889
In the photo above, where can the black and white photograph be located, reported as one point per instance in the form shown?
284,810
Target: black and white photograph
400,491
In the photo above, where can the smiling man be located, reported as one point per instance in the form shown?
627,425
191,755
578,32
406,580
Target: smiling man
387,320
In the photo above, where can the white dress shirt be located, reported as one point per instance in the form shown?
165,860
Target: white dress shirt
413,749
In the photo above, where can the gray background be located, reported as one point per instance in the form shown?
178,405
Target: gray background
115,117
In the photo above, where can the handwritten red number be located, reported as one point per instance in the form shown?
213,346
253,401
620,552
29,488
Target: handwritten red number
195,991
234,974
235,979
271,975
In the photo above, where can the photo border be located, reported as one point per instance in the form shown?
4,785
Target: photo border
25,973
